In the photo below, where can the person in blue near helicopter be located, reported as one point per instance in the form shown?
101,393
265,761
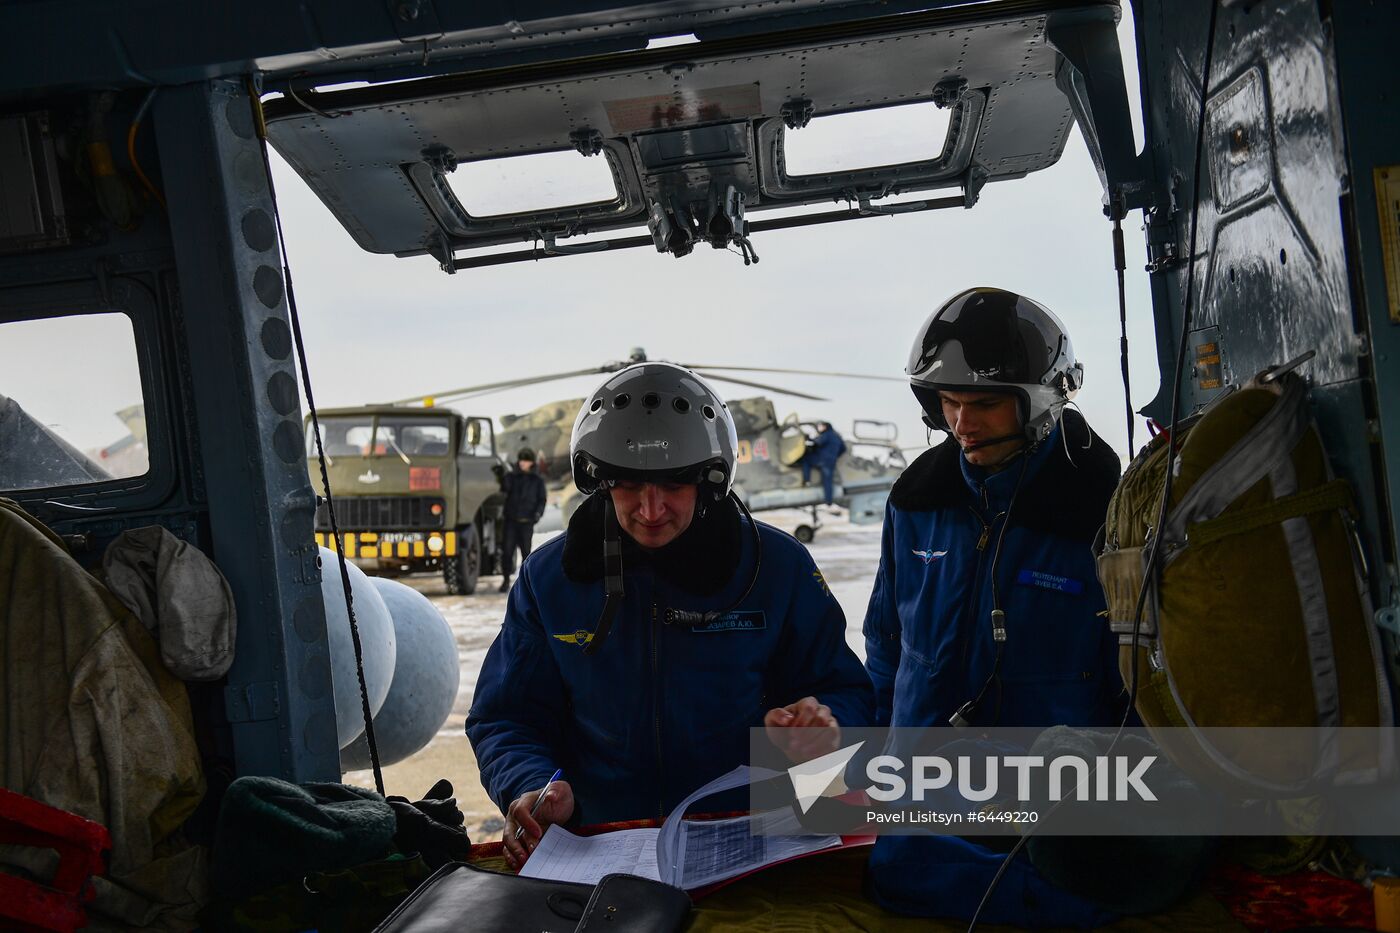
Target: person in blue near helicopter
985,610
642,692
822,453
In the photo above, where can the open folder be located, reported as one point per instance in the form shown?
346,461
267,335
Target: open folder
689,854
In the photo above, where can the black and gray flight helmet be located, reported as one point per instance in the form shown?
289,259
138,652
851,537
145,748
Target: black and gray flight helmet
654,423
992,340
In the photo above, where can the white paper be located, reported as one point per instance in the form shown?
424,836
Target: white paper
686,853
562,856
716,850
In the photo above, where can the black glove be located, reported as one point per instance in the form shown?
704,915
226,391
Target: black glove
432,826
439,803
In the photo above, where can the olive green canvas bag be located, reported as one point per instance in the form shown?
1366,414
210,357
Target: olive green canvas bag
1259,615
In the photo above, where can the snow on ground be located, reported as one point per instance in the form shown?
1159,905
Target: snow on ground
847,555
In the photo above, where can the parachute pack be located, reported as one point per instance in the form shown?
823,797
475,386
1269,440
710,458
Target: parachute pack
1258,614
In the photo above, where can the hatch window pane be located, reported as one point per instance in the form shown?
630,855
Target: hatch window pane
541,181
71,408
845,142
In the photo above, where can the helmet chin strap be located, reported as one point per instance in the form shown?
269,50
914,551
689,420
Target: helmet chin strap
612,577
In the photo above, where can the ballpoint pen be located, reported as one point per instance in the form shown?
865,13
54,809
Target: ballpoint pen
520,830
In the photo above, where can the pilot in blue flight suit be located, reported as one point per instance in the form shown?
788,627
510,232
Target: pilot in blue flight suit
822,452
640,646
985,610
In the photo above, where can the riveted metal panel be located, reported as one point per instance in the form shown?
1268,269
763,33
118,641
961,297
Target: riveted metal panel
359,148
261,506
1274,272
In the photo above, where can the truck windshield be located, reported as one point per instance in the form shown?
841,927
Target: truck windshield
385,436
345,436
415,437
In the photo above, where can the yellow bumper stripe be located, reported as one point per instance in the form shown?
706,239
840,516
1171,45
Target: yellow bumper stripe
368,545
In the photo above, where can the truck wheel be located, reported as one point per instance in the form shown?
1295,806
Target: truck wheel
461,571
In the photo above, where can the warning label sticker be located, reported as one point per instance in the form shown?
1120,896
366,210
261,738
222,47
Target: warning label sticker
683,107
1208,365
1388,206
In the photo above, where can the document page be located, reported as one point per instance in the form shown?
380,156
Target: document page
717,850
695,853
686,853
562,856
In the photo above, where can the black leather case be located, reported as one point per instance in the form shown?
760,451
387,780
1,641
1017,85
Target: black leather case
461,897
635,905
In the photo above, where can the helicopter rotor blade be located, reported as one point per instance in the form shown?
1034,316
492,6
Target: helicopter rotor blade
719,377
796,372
615,365
509,384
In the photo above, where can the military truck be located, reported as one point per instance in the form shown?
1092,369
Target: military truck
415,490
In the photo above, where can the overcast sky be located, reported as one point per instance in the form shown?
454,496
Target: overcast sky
846,297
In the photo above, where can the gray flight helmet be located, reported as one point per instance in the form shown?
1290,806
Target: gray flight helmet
654,423
993,340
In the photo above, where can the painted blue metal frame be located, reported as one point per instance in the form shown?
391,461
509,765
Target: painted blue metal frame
1362,38
278,700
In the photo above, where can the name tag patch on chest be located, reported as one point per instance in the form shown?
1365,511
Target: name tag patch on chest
1050,581
744,621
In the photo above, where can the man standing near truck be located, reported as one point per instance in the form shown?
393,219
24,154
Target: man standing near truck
525,498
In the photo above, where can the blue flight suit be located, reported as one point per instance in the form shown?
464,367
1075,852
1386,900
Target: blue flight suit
929,645
826,448
660,709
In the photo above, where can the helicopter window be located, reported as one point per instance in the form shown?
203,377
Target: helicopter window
843,142
540,181
71,406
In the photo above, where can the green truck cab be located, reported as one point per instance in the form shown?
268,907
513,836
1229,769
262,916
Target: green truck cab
415,490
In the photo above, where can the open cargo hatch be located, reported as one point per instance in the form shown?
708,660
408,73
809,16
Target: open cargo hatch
681,142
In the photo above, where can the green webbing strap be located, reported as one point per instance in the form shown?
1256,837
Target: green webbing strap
1325,498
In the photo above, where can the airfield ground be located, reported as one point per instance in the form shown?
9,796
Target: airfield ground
847,555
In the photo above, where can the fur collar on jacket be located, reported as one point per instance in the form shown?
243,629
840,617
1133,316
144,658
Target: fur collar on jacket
701,561
1063,497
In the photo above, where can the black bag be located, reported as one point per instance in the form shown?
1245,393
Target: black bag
461,896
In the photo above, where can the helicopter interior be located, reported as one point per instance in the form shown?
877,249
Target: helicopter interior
1267,190
689,138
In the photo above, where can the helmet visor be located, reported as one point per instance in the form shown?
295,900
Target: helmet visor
1003,337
